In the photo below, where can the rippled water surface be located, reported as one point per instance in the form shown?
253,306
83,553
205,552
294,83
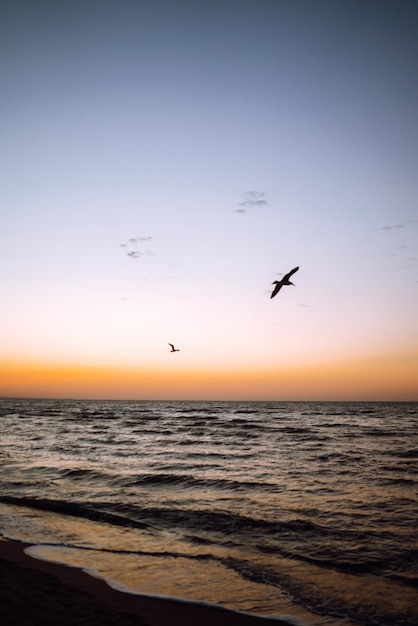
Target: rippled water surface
308,509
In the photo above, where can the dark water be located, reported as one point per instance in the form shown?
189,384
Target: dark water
308,509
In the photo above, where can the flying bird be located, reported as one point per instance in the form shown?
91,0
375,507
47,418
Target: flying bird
284,281
173,349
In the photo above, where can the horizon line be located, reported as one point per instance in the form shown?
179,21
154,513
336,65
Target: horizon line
94,399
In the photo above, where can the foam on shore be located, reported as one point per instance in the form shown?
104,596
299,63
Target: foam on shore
56,593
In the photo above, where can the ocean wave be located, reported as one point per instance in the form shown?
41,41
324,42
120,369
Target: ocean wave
191,482
403,454
131,515
328,488
74,509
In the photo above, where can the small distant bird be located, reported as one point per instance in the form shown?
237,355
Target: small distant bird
284,281
173,349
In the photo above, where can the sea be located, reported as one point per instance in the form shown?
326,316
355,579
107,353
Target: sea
307,510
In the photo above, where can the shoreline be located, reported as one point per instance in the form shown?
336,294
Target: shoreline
57,593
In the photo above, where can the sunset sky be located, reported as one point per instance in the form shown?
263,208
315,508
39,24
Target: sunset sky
164,161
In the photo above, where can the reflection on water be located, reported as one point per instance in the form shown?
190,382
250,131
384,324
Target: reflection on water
267,507
180,577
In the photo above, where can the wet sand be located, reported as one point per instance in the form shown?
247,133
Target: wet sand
34,592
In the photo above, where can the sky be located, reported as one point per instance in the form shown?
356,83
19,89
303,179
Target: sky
164,161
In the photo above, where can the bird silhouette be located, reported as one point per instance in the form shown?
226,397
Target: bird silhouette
173,349
284,281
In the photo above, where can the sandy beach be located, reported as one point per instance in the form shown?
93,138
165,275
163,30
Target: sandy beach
38,592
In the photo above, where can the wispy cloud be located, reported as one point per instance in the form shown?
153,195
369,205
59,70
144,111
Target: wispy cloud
134,253
138,254
138,239
395,226
252,199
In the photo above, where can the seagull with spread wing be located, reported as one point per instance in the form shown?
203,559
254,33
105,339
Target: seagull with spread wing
173,349
284,281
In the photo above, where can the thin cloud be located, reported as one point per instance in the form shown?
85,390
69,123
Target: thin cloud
138,239
254,194
253,203
134,253
395,226
252,199
137,254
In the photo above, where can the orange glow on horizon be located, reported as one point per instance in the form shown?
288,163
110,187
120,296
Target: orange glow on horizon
388,378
